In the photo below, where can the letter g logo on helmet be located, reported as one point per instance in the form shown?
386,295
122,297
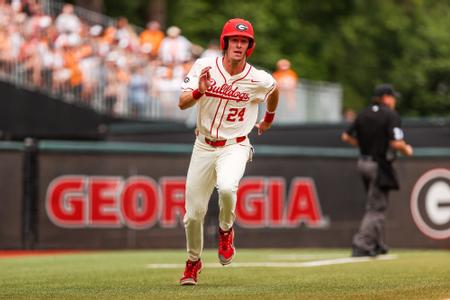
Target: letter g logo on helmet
241,27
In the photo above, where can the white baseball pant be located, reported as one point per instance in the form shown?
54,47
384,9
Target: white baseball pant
222,167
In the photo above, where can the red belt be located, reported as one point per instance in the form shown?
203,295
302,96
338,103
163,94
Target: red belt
221,143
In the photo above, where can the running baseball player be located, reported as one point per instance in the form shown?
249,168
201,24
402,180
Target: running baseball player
227,91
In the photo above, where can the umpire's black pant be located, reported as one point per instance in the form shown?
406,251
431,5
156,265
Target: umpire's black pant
371,231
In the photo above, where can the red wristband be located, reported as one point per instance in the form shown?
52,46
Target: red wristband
196,94
270,115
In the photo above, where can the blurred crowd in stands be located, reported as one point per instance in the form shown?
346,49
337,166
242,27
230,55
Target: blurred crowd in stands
113,67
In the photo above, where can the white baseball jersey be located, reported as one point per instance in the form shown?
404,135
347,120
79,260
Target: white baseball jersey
229,108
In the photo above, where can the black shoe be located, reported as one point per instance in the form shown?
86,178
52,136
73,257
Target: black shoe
358,252
381,250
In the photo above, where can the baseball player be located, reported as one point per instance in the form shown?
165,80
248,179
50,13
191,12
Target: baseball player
227,91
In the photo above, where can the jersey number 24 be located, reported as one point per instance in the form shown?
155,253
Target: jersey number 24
236,114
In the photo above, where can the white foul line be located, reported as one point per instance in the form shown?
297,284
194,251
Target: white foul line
316,263
346,260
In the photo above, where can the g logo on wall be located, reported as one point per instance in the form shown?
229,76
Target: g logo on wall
430,203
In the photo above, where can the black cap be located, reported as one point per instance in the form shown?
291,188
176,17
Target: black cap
385,89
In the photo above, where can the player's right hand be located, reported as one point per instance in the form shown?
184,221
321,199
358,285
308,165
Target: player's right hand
204,80
408,150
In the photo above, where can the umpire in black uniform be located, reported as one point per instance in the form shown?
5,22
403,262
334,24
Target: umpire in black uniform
377,133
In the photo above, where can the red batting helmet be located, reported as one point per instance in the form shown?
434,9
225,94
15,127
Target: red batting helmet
238,27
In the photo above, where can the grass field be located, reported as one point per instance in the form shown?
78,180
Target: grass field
127,275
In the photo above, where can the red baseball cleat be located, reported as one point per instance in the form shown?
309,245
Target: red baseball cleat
190,272
226,247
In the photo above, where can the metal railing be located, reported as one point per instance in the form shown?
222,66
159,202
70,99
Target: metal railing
119,78
311,101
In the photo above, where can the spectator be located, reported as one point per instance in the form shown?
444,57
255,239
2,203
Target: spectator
29,59
109,35
92,54
16,6
101,39
45,57
166,88
287,82
90,72
72,61
213,50
125,36
175,49
5,11
116,82
11,42
37,21
22,6
175,53
151,38
137,92
67,75
67,22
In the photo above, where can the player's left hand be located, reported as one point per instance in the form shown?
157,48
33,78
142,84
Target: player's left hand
262,126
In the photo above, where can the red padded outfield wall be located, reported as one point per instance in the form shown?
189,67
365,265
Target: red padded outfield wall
95,195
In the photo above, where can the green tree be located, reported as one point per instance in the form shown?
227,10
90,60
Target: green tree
403,42
423,69
135,11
